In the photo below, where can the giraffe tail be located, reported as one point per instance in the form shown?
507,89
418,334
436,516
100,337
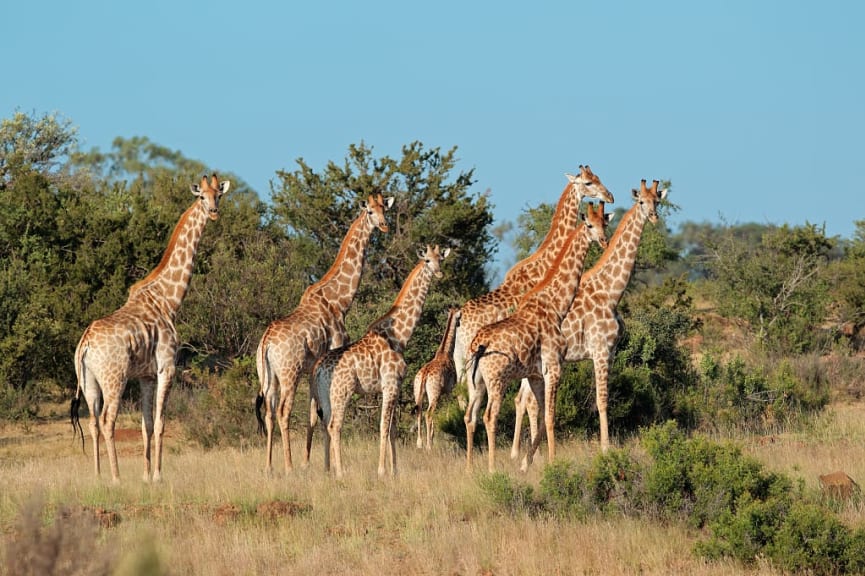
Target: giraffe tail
259,400
476,359
77,430
264,377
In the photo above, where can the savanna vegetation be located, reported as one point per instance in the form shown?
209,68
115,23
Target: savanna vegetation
737,382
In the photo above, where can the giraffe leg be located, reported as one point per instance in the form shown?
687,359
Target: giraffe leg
551,389
418,402
93,397
107,421
490,415
271,406
286,401
147,391
477,390
534,401
163,387
602,373
386,431
430,422
338,403
520,401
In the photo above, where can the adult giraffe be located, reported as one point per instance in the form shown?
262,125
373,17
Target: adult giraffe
436,377
529,343
592,327
374,363
139,339
290,346
499,303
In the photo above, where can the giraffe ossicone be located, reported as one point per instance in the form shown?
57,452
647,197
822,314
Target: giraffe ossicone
139,340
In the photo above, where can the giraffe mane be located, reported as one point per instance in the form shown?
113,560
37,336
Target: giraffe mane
554,266
166,256
613,241
558,215
402,293
340,256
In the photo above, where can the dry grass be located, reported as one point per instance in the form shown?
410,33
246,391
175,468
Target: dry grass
216,512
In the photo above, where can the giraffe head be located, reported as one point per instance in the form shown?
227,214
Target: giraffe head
375,207
596,222
587,185
433,256
210,193
648,199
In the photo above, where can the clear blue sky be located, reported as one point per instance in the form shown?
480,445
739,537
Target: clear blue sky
755,110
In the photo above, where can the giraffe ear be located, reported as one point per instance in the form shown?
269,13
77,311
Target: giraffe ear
635,193
662,194
224,186
609,217
388,202
571,178
445,253
196,190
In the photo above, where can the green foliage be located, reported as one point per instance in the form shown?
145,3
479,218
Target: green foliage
736,395
777,285
744,511
811,540
511,495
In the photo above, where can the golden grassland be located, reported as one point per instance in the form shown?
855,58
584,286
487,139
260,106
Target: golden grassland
217,513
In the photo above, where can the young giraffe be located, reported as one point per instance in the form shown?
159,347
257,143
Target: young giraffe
139,339
498,304
529,343
592,327
436,377
290,346
374,363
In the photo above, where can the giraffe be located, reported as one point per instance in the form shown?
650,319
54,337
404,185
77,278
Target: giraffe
592,327
499,303
139,339
289,346
436,377
529,342
374,363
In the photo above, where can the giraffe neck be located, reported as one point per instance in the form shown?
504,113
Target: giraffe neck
400,321
613,271
339,285
531,270
447,344
557,290
169,281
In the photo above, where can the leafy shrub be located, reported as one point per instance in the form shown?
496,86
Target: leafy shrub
812,540
735,395
509,494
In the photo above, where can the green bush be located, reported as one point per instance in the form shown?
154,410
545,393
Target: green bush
506,493
736,395
811,539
